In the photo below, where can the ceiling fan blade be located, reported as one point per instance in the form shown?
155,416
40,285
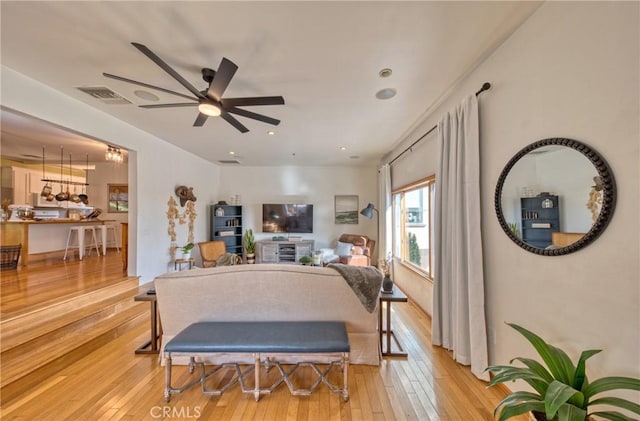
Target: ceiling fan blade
221,80
258,100
200,120
157,60
232,120
179,104
253,115
146,85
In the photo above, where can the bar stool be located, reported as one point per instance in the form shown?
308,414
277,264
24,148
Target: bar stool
81,231
105,230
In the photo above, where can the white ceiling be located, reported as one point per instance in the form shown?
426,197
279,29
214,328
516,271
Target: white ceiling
322,57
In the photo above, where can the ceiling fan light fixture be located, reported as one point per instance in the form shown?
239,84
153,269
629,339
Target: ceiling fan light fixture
209,109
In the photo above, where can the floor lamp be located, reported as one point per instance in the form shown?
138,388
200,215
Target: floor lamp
368,213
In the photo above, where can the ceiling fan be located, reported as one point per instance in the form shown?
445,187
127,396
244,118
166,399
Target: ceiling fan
209,101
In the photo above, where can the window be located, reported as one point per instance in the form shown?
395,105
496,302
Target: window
413,218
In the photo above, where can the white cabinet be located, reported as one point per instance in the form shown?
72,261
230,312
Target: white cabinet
282,251
26,181
21,186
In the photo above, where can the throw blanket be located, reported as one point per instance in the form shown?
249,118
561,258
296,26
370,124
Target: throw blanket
365,281
227,259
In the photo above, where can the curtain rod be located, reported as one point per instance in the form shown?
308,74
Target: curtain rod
485,87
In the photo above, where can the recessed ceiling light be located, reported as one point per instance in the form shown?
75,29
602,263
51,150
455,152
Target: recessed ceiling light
271,132
386,93
385,72
146,95
232,153
343,148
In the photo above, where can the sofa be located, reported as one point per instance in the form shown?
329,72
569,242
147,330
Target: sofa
273,292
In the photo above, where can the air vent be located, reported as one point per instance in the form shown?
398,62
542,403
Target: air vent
104,94
229,161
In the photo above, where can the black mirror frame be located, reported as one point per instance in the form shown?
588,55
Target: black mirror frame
608,196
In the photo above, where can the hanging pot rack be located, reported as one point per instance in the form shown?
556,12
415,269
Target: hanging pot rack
61,181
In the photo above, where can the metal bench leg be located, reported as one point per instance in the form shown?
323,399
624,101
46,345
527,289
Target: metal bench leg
256,367
167,378
345,384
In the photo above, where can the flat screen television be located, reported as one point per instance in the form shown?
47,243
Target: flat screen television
287,218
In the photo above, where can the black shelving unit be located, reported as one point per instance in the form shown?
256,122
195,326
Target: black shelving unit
226,225
538,222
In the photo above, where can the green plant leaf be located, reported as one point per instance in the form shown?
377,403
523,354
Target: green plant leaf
536,367
524,374
566,365
558,394
619,402
518,397
519,409
613,416
610,383
546,353
581,377
571,413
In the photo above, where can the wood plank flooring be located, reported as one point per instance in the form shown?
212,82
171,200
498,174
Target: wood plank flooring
112,383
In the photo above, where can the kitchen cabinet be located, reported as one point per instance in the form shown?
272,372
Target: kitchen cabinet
26,181
21,185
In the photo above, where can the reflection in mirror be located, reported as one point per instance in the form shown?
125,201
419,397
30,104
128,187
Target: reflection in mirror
555,196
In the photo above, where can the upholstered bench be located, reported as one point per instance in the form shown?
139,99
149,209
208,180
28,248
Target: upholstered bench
266,342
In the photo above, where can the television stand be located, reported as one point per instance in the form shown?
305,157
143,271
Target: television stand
269,251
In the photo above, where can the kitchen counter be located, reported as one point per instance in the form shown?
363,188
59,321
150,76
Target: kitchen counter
42,236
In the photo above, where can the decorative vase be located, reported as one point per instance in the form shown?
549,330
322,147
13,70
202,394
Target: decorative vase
251,258
387,284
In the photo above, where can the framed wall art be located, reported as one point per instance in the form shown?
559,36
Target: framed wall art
118,198
346,209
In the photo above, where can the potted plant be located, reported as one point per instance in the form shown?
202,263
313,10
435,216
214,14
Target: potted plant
562,391
249,244
306,260
186,251
386,266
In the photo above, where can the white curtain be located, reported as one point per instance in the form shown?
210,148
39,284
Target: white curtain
458,293
384,206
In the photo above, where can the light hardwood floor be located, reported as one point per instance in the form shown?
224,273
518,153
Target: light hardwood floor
112,383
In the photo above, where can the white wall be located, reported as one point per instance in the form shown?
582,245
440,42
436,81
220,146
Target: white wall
570,71
313,185
155,168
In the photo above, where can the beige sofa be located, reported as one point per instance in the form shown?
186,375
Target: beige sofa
270,292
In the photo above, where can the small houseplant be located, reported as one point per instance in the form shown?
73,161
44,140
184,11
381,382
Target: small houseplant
562,390
186,250
386,267
249,243
306,260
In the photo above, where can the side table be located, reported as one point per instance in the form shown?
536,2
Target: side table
152,346
387,299
177,264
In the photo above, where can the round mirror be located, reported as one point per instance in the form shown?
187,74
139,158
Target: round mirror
555,196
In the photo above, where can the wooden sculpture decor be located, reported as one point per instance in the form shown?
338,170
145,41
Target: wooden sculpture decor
185,194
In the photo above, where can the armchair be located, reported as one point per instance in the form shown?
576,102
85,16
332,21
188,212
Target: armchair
359,254
210,251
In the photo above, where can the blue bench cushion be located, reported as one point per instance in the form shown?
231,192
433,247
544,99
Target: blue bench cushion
261,337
